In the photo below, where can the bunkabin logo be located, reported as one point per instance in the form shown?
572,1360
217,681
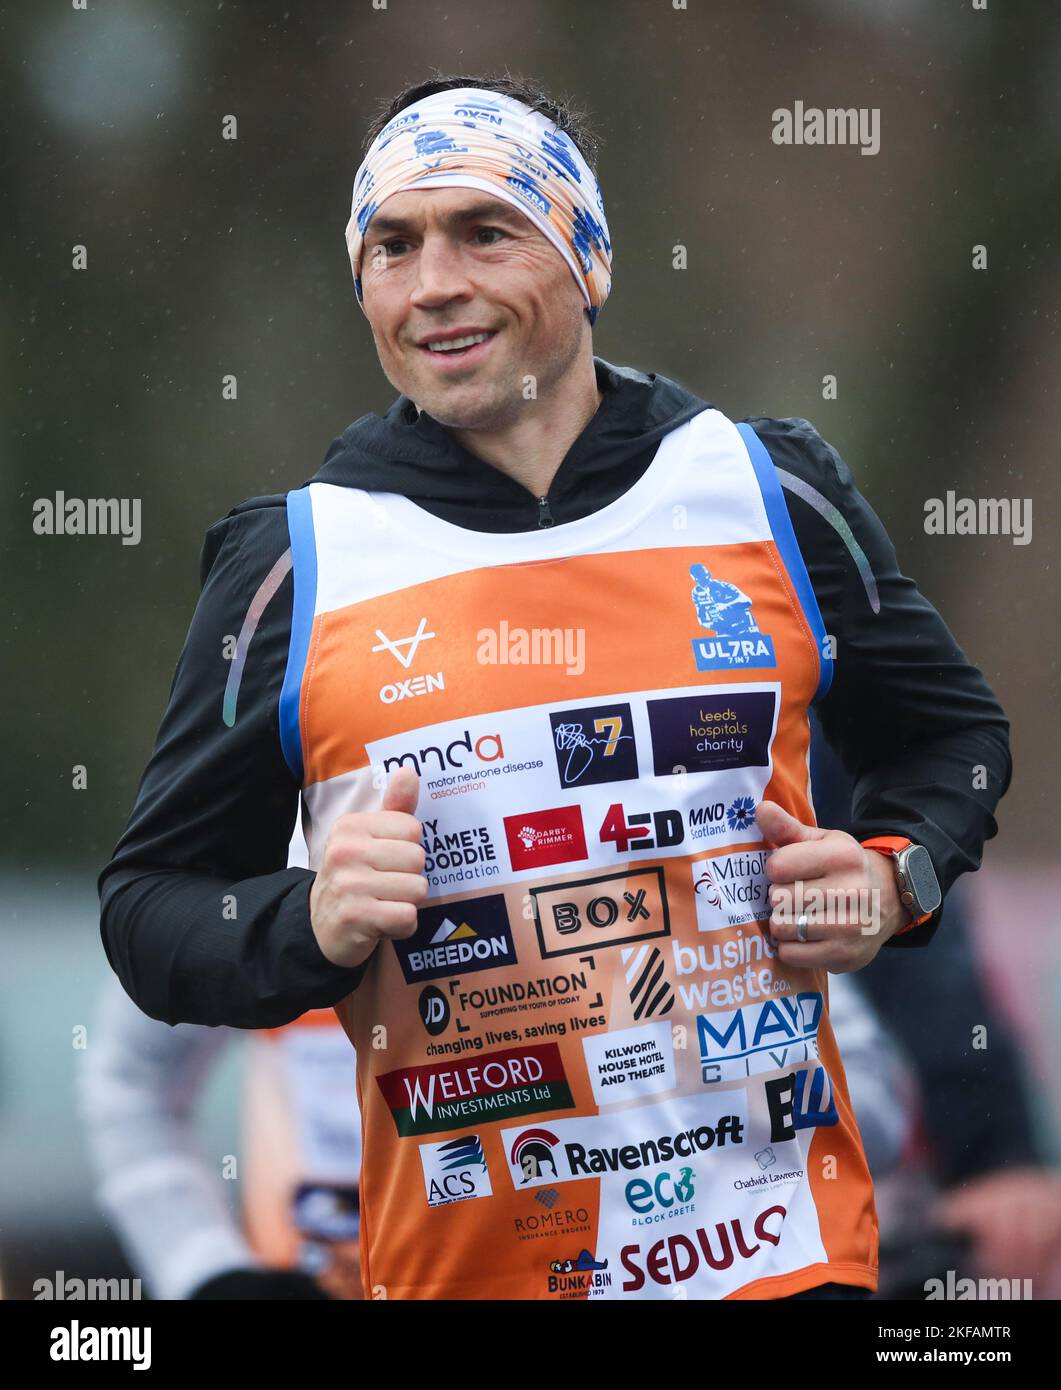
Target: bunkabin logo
579,1278
723,610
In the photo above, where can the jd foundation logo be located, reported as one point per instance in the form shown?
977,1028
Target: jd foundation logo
495,1086
724,611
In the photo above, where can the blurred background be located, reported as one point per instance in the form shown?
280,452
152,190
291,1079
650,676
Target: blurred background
208,257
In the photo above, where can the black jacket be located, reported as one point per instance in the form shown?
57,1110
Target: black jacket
907,713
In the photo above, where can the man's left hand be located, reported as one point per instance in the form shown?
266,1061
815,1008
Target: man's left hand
848,894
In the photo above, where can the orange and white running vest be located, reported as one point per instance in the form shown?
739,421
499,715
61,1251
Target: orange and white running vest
586,1075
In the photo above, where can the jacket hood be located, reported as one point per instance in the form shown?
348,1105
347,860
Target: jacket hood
409,452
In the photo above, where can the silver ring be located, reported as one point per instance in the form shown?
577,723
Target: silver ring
801,927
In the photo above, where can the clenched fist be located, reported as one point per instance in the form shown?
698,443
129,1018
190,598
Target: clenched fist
371,878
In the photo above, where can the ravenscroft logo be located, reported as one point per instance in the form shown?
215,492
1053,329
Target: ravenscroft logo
455,1171
630,1062
730,890
711,732
493,1086
594,745
677,1258
685,1129
723,610
735,1043
606,910
537,838
457,938
532,1155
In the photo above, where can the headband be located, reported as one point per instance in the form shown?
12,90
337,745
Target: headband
471,138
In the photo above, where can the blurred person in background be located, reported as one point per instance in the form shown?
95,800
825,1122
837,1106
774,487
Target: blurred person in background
301,1153
298,1170
977,1191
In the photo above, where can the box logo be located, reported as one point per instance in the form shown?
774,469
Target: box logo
607,910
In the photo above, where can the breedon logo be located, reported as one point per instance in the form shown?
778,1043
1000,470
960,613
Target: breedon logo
457,938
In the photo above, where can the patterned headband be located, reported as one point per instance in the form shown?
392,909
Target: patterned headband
472,138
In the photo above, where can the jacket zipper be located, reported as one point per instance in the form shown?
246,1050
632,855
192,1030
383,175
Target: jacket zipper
545,516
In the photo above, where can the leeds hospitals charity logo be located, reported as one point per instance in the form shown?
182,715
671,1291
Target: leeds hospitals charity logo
725,612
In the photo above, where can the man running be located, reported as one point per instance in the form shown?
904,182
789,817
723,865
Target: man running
554,1020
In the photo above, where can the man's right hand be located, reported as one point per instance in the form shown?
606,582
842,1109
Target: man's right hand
371,878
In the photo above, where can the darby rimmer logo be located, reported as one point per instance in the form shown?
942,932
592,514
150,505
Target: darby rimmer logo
492,1086
537,838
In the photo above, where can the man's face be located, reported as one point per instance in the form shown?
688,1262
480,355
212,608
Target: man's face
445,259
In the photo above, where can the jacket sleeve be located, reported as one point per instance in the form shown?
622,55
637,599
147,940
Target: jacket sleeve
913,721
202,920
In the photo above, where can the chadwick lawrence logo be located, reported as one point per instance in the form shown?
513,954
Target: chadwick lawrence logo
546,837
495,1086
404,649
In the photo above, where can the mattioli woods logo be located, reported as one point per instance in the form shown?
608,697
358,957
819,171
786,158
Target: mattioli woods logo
493,1086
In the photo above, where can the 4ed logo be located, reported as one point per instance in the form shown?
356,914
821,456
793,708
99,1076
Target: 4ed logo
606,910
643,830
726,612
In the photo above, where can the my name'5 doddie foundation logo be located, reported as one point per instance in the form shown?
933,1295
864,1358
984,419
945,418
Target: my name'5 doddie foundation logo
725,612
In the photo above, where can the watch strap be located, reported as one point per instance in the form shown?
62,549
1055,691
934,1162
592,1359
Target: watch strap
892,845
